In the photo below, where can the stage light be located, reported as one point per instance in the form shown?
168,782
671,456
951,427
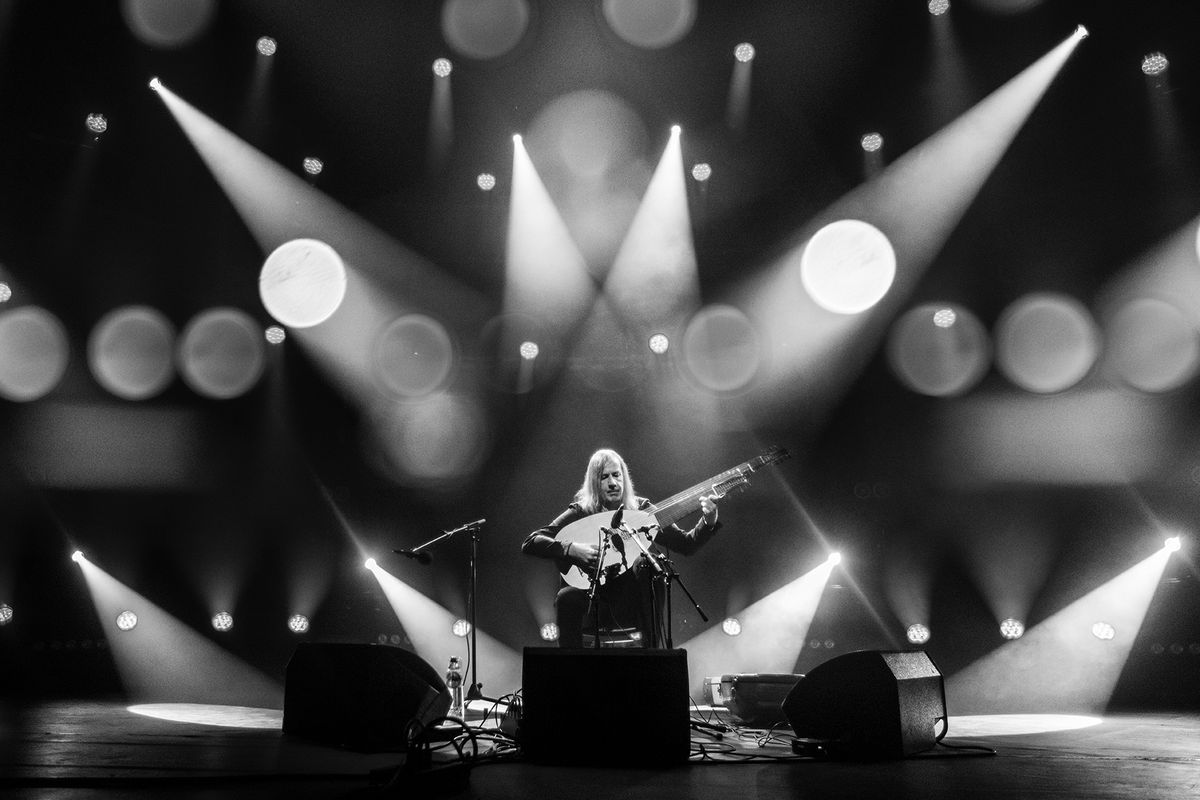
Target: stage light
871,142
944,317
297,623
744,52
222,621
370,563
155,83
1155,64
676,130
5,292
126,621
938,7
1012,628
302,283
917,633
313,166
486,181
1104,631
848,266
529,350
1173,544
659,343
77,556
275,334
96,123
266,45
1081,32
835,558
731,626
701,172
516,138
461,628
549,632
442,67
6,613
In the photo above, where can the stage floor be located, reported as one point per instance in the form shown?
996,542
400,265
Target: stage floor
108,750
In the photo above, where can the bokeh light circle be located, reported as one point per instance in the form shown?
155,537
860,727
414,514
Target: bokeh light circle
650,24
302,283
221,353
34,353
131,352
1151,345
168,25
438,442
939,350
414,356
721,350
484,29
848,266
1046,342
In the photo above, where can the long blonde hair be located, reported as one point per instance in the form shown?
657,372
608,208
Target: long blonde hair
590,496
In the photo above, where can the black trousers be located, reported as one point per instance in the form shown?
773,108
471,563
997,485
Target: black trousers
630,600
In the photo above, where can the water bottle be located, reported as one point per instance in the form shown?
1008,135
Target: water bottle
454,682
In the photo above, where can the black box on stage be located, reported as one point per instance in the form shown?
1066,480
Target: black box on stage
360,696
869,705
755,698
620,706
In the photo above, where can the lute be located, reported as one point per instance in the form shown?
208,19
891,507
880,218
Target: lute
637,529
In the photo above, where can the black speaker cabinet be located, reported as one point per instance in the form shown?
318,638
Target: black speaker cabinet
360,696
605,707
869,705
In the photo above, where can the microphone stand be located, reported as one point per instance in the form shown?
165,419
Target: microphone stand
474,692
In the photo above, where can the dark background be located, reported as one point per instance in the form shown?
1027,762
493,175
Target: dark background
134,217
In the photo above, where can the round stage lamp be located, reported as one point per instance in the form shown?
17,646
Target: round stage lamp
549,632
414,356
917,633
1046,342
33,353
130,352
298,623
126,621
302,283
221,353
6,613
1012,628
222,621
939,350
848,266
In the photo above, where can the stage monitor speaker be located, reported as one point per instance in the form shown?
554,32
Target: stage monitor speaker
605,707
360,696
869,705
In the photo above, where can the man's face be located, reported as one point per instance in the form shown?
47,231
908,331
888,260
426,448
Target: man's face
612,484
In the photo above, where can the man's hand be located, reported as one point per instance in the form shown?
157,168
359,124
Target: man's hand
708,507
585,556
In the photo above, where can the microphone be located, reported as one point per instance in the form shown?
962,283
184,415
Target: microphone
470,526
420,555
616,520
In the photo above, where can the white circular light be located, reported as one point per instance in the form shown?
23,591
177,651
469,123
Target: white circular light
266,45
1104,631
461,628
5,292
6,613
529,350
1155,64
1012,628
659,343
549,632
731,626
442,67
848,266
297,623
126,621
744,52
938,7
486,181
313,165
302,283
871,142
1173,544
701,172
274,334
917,633
96,123
222,621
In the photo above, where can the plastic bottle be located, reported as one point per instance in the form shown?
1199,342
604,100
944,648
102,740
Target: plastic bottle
454,682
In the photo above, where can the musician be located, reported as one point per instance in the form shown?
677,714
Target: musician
629,599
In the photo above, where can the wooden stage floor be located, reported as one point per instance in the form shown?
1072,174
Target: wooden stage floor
96,749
